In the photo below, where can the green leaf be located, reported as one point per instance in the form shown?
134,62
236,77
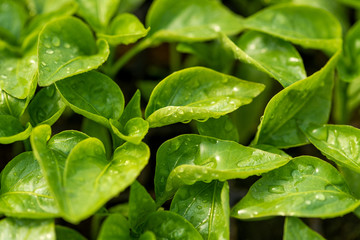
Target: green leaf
197,93
295,229
26,229
10,105
274,56
65,233
307,26
11,130
189,158
40,7
147,236
132,109
46,107
13,17
93,95
206,206
17,72
115,227
304,102
66,48
222,128
98,12
24,192
141,205
86,173
169,225
305,187
126,28
352,3
339,143
190,20
133,131
129,5
352,178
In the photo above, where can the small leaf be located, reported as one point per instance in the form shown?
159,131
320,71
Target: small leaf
124,29
169,225
65,233
189,158
93,95
305,187
66,48
190,20
85,172
141,205
115,227
340,143
222,128
304,25
15,229
133,131
274,56
11,130
46,107
295,229
304,102
147,236
206,206
197,93
132,109
24,192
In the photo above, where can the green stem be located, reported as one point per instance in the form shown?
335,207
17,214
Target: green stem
145,43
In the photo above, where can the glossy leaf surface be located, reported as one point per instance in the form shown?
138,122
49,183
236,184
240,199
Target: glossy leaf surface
115,227
189,158
126,28
11,30
295,229
305,187
11,130
10,105
197,93
304,25
65,233
169,225
206,206
66,48
339,143
133,131
132,109
304,102
190,20
24,192
26,229
274,56
222,128
86,173
46,107
93,95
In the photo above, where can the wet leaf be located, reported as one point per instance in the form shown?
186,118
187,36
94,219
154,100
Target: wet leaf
222,128
11,130
295,229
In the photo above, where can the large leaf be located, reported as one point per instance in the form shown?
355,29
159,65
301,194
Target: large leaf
197,93
274,56
13,17
85,173
222,128
339,143
115,227
295,229
26,229
190,20
11,130
24,192
93,95
98,12
46,107
304,25
189,158
206,206
305,187
169,225
66,48
304,102
126,28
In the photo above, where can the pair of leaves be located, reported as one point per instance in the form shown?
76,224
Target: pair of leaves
75,168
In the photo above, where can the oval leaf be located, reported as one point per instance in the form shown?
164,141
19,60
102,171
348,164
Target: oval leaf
307,26
24,192
133,131
115,227
190,158
169,225
305,187
93,95
197,93
206,206
65,233
295,229
274,56
11,130
10,105
66,48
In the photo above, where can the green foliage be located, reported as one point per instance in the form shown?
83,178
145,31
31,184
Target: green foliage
260,79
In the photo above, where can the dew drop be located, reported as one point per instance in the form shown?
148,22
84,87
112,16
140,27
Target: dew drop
276,189
56,41
199,207
295,174
307,202
3,76
320,133
47,45
10,69
49,51
320,196
43,63
66,45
